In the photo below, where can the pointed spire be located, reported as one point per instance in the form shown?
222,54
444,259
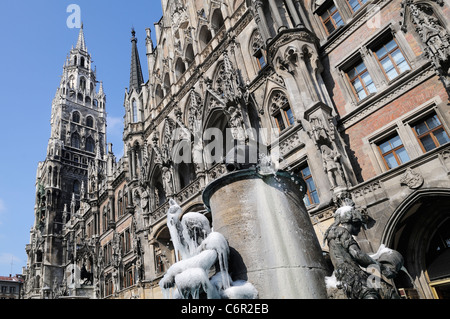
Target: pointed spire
136,77
100,90
81,44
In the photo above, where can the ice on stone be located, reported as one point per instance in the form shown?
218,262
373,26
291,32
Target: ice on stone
200,249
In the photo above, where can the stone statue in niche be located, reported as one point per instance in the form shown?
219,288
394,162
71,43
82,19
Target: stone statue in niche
236,122
332,166
324,138
349,260
167,180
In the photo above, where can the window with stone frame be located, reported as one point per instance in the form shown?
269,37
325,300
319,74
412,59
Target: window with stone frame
128,278
76,117
105,219
90,145
126,241
134,111
360,80
281,111
120,208
257,45
331,17
109,286
391,58
90,121
392,151
355,5
430,132
311,196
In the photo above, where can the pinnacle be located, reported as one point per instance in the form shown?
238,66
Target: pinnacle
81,44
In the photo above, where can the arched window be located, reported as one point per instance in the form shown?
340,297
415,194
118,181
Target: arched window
75,141
256,45
205,37
82,84
76,117
72,81
90,145
167,84
90,122
217,20
75,60
82,61
76,187
159,94
180,68
280,110
134,111
189,55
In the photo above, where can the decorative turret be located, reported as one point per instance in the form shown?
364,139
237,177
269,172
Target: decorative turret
136,78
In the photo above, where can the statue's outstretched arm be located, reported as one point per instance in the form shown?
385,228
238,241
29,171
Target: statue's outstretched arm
361,257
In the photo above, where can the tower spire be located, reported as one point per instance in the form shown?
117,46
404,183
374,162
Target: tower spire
136,77
81,44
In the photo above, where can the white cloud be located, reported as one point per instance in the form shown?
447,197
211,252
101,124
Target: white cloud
115,125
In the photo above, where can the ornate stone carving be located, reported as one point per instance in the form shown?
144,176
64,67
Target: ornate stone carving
411,179
325,140
435,38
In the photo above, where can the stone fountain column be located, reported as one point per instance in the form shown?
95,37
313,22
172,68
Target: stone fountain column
272,241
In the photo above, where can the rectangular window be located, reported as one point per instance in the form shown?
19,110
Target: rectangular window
127,241
355,5
260,58
393,152
331,18
361,81
311,196
391,59
128,279
284,118
280,122
289,116
430,133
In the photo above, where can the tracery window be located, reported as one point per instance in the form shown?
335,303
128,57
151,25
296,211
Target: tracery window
257,45
281,111
90,145
75,140
90,121
76,117
134,111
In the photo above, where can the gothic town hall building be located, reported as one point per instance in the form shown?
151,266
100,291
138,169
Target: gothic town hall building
352,94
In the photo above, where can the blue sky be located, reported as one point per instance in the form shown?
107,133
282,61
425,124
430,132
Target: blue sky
35,41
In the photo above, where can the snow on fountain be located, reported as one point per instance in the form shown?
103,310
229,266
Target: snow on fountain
200,249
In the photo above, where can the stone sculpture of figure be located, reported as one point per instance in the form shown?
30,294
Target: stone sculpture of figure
348,258
332,166
167,180
236,123
144,200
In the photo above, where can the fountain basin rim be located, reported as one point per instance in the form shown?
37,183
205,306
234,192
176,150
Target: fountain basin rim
250,173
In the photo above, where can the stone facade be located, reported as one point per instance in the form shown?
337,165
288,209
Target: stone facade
351,95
